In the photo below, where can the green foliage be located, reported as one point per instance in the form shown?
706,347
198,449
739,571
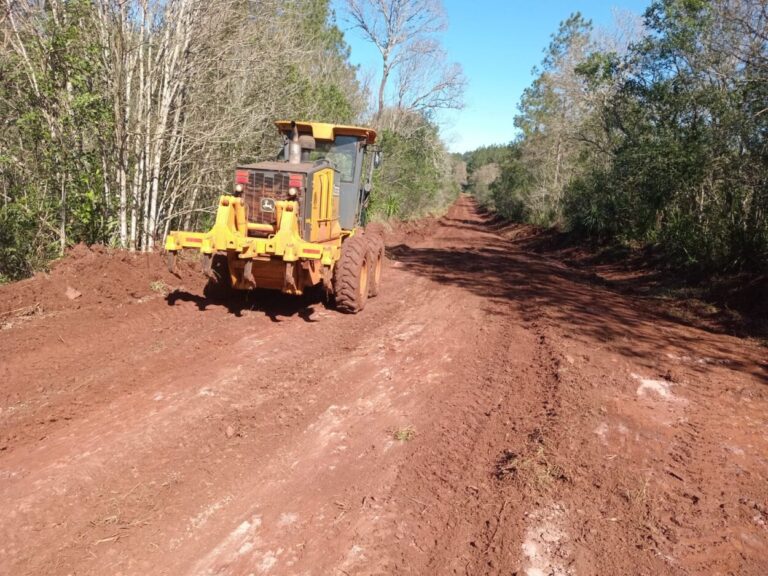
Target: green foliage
483,170
414,178
53,132
689,170
74,108
510,192
25,245
479,157
663,145
331,97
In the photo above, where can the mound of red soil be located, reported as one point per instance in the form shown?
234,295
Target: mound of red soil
92,276
400,232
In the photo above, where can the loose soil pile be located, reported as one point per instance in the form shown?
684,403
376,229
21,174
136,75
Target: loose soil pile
92,277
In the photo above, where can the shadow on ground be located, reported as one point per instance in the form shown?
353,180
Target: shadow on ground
544,289
271,303
733,303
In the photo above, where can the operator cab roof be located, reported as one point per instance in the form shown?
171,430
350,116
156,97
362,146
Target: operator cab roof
328,132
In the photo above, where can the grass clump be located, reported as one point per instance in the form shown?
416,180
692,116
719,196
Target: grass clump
159,287
404,434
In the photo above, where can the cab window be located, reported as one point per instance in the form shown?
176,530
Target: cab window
341,153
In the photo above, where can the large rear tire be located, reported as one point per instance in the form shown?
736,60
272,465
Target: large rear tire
350,280
375,263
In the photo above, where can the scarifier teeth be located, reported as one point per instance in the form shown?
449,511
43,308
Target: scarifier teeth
207,261
248,272
289,282
170,261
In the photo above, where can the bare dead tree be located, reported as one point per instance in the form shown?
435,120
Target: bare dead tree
404,32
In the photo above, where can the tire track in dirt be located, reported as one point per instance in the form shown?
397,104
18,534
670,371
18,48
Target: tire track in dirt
153,431
456,518
352,436
492,412
603,444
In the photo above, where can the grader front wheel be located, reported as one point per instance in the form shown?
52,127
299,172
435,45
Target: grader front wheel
350,281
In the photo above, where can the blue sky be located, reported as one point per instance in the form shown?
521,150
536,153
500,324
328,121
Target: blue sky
497,43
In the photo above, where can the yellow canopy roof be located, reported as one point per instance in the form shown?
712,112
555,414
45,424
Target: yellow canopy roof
322,131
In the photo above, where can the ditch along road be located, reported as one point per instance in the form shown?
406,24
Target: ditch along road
491,412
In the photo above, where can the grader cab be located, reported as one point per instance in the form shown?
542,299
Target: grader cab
296,222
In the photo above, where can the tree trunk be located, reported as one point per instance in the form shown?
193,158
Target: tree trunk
63,217
382,85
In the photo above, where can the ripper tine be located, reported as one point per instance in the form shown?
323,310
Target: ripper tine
248,272
207,262
170,261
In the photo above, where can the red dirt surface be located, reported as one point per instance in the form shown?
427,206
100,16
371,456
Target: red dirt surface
735,303
491,412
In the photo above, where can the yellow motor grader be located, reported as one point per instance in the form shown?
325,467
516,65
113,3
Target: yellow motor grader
295,222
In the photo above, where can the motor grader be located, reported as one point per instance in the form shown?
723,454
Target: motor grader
296,222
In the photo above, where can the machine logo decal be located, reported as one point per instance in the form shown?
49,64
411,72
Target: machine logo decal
267,205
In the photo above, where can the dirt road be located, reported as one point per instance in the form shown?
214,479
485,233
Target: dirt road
492,412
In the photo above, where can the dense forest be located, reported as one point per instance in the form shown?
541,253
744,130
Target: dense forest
655,134
122,119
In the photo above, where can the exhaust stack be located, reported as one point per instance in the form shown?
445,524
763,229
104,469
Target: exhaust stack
294,148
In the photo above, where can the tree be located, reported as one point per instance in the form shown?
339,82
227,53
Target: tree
483,166
122,119
416,176
404,33
659,141
551,113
